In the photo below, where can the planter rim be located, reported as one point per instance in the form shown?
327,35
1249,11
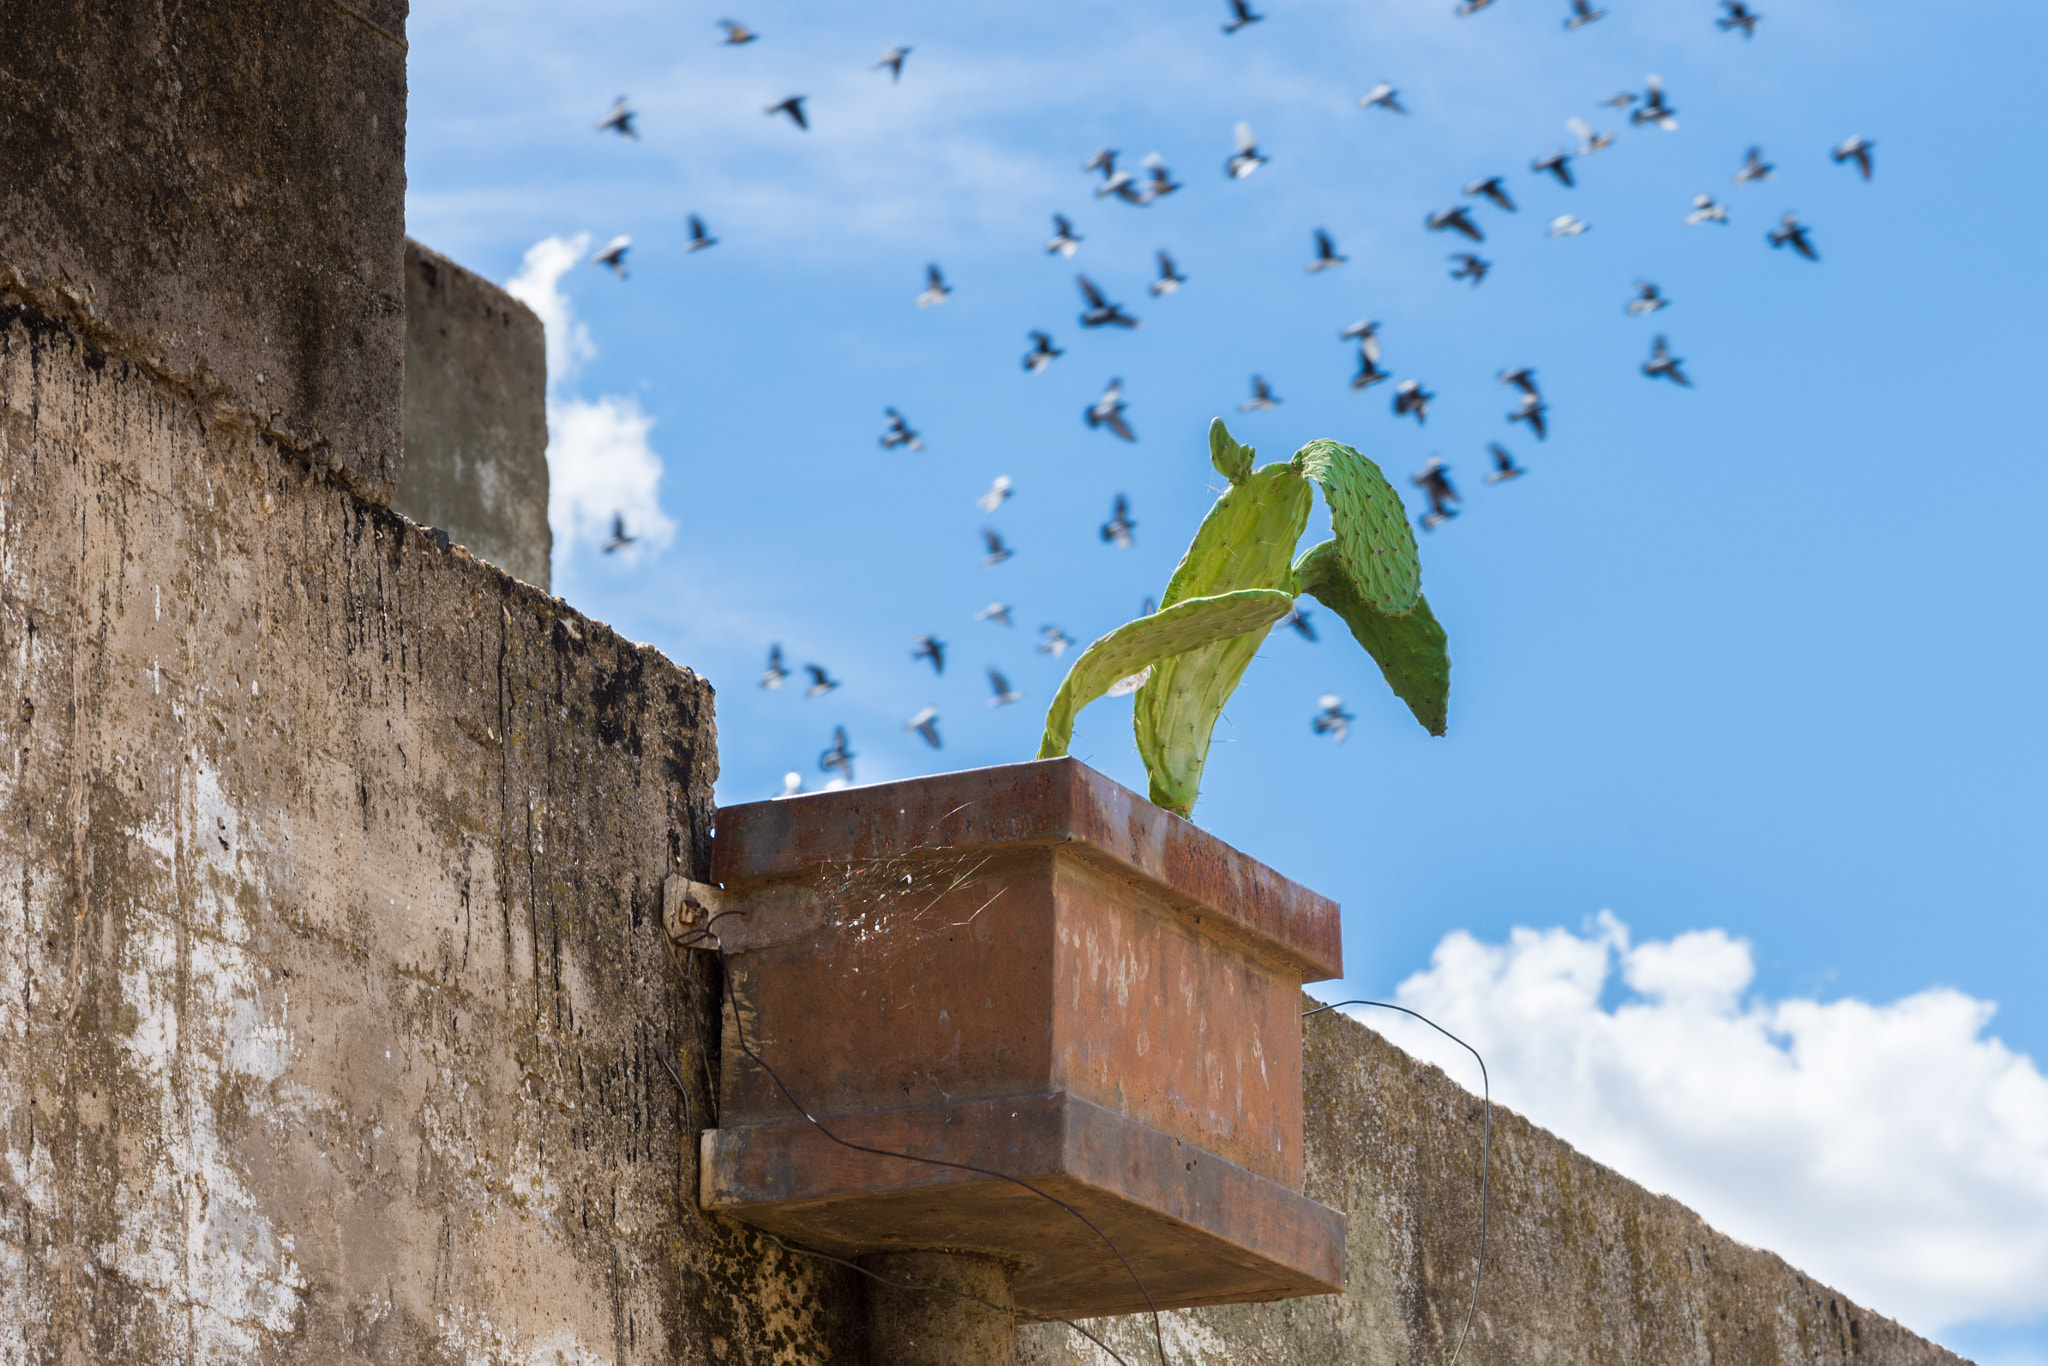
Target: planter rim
1040,802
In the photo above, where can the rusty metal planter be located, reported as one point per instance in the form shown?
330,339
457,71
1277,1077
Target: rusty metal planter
1029,969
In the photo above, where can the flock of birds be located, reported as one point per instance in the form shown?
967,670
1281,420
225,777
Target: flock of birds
1153,180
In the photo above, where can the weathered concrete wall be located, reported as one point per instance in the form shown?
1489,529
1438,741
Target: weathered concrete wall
1583,1266
476,422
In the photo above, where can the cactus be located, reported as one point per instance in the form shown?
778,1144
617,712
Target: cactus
1237,578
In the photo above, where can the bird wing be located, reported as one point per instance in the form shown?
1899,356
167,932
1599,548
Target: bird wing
1245,141
1114,420
993,541
1090,292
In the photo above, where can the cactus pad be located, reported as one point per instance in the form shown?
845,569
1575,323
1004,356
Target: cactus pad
1231,460
1409,648
1373,535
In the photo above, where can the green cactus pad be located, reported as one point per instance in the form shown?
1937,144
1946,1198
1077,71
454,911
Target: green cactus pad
1248,538
1409,648
1231,460
1373,535
1176,712
1151,641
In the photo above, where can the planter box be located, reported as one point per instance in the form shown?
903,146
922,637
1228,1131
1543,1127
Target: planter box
1029,969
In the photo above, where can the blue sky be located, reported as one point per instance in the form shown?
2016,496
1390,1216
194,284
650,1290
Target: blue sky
1760,658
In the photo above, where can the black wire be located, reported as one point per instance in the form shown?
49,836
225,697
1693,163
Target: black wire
1485,1152
689,1122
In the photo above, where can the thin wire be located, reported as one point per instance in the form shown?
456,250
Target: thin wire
689,1121
1485,1152
1031,1314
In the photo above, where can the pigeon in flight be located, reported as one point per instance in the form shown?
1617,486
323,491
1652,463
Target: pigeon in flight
1147,607
1737,16
1705,210
1647,301
1041,354
1504,466
1564,225
772,679
838,759
1170,280
1114,182
1246,159
1369,372
1326,254
821,682
926,723
618,540
1108,411
1434,479
997,551
1620,100
1470,267
620,120
899,433
1654,109
1117,530
893,59
1492,189
1558,164
1411,397
1163,183
1792,233
1262,398
1366,334
1531,410
1053,641
997,612
932,648
794,107
1754,168
1856,149
1004,693
1332,720
1241,16
737,34
612,255
936,289
1466,7
998,493
1064,240
1382,96
1455,218
699,238
1521,377
1102,313
1591,139
1298,619
1583,14
1663,365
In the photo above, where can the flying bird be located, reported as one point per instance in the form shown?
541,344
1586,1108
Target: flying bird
1456,219
821,682
1369,372
1564,225
1470,267
1041,354
1558,164
1531,411
1591,139
1504,466
1411,397
893,59
1792,233
612,255
1856,149
1466,7
1648,300
1754,168
1246,159
1101,312
1262,398
772,679
936,290
618,540
1620,100
699,238
1117,530
1383,96
1163,183
932,648
1170,280
1737,16
1004,693
1053,641
736,34
1521,377
1064,240
998,493
620,120
1298,619
1114,182
1366,334
1241,16
1654,109
899,433
794,107
1705,210
997,612
1332,720
1108,411
1492,189
926,723
997,551
1663,365
1434,479
838,759
1583,14
1326,254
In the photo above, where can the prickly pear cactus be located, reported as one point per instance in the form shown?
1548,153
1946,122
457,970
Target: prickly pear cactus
1409,648
1372,528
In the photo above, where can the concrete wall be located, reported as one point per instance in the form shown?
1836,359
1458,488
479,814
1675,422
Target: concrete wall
476,423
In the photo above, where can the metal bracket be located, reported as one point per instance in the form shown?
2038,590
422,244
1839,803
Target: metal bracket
687,907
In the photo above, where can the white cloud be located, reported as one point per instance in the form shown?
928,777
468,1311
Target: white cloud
600,461
1893,1150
